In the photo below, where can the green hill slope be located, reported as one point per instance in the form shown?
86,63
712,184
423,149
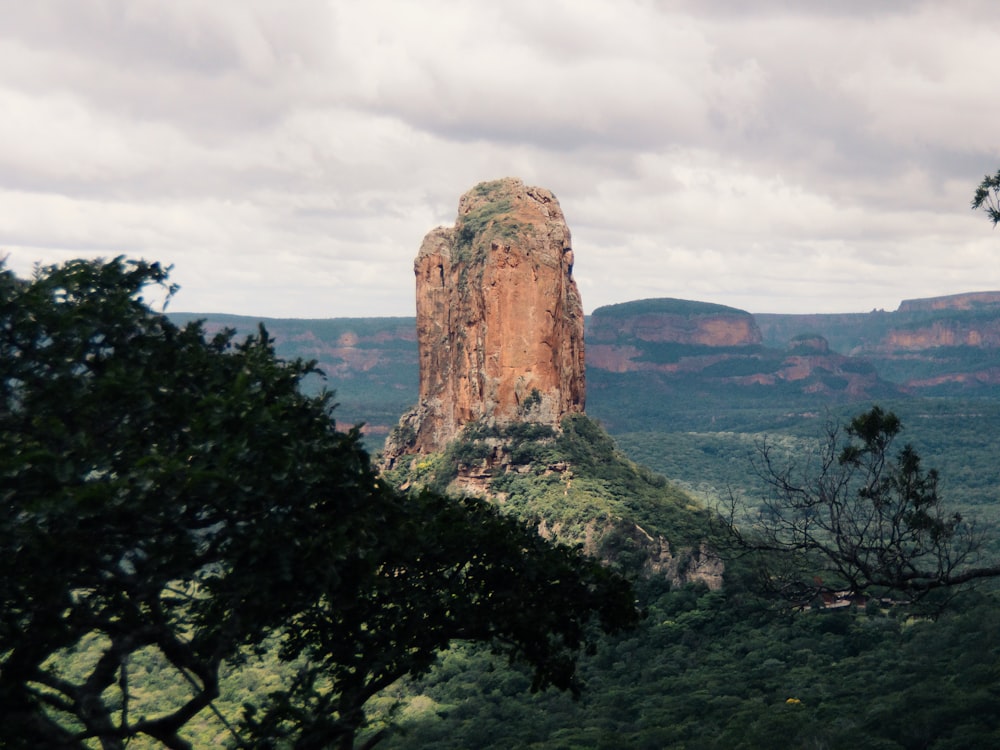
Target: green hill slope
577,486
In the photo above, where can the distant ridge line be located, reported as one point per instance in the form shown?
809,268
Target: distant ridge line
964,301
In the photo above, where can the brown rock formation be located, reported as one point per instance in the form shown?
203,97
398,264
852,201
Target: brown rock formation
499,318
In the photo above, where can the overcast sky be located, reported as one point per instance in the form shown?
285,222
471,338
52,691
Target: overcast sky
288,156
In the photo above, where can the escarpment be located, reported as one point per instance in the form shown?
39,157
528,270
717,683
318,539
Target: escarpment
499,319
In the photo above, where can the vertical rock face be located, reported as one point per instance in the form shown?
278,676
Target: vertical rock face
499,318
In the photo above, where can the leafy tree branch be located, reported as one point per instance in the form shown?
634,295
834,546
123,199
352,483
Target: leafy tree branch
987,197
172,491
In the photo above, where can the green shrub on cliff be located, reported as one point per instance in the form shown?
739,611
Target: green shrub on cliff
569,479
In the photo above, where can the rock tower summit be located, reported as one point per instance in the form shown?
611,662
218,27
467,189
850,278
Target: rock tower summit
499,319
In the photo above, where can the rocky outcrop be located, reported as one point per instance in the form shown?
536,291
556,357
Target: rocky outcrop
681,565
499,319
611,540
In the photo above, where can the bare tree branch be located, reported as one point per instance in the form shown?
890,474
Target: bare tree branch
868,519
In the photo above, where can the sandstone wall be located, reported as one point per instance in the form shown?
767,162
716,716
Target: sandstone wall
499,318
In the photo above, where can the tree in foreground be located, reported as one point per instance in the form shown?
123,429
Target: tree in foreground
865,520
169,492
987,197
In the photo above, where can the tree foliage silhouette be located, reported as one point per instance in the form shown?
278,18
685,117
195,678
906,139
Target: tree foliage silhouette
987,197
172,491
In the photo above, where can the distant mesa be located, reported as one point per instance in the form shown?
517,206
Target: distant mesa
707,344
935,345
966,301
678,320
499,319
656,334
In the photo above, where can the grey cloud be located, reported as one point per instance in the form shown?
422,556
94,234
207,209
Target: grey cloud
738,152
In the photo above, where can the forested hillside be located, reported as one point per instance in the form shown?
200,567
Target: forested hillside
734,669
718,670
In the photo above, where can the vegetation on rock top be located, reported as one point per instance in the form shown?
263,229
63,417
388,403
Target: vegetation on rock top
665,305
568,480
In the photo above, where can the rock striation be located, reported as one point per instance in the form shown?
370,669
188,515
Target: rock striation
499,320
